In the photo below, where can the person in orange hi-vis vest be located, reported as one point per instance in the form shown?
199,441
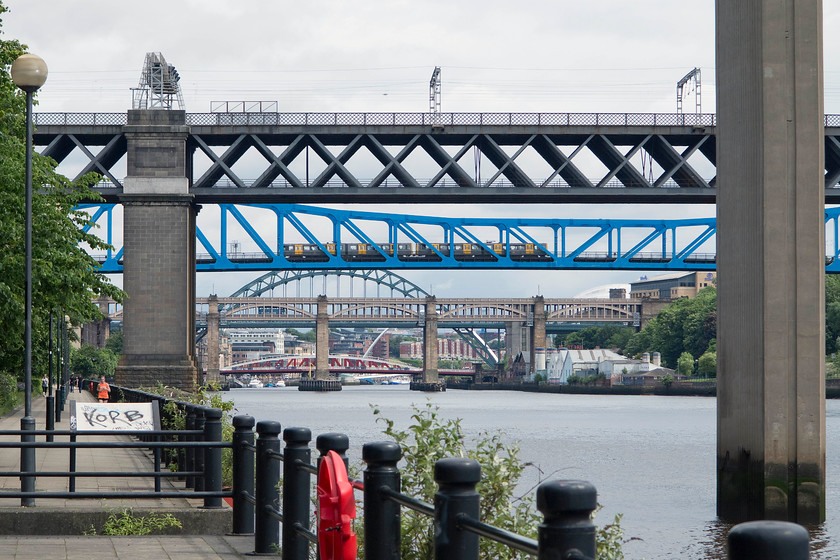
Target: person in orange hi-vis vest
104,391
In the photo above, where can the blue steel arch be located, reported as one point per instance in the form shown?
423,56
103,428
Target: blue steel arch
625,244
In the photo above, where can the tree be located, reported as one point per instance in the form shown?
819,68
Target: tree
685,364
91,362
64,277
687,325
707,364
115,342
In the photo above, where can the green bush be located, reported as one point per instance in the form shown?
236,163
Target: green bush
430,438
9,394
125,523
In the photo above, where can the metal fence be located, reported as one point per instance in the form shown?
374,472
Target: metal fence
396,119
198,450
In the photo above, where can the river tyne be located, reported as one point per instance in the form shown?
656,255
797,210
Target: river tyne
652,458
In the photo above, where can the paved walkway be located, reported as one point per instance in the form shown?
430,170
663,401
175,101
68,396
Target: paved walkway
47,547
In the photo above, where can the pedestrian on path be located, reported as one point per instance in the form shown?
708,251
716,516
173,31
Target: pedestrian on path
45,383
104,391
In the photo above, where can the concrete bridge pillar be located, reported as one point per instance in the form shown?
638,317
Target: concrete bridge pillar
322,340
213,339
771,251
537,331
513,338
158,254
431,381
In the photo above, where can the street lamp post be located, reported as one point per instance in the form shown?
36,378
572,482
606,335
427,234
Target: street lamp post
29,72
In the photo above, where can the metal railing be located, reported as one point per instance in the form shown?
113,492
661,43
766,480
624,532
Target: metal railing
406,119
399,119
566,531
199,454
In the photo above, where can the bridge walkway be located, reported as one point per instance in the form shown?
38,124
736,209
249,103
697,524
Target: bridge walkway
54,527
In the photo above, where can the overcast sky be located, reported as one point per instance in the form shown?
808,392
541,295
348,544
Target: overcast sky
528,56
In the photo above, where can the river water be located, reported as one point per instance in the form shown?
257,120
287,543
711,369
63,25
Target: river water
651,458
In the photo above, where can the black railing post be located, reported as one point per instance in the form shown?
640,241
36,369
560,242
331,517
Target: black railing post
212,457
27,460
198,454
767,540
189,452
456,496
567,506
382,516
296,497
267,528
333,441
243,475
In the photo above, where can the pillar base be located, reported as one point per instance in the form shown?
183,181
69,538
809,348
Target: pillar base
428,387
180,376
320,385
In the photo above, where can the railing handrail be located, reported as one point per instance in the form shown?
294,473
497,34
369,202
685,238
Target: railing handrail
398,119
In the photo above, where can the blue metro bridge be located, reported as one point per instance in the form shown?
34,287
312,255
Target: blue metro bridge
370,240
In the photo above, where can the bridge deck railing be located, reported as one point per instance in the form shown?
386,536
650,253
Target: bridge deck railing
399,119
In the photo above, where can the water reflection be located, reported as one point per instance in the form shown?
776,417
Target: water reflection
710,542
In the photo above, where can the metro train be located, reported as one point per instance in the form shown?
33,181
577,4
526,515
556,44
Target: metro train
366,252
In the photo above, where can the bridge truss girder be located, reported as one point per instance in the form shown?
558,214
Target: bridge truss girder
621,144
560,244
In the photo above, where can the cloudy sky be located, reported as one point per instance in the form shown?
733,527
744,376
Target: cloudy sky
536,56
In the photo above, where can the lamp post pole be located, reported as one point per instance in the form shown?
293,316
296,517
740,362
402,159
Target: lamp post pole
29,72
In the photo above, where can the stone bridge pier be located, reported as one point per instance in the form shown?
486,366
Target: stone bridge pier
431,380
158,254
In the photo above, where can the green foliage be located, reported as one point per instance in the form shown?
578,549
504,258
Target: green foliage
668,380
707,364
91,362
685,364
540,378
609,541
10,397
601,337
173,417
63,275
125,523
687,325
115,342
574,380
430,438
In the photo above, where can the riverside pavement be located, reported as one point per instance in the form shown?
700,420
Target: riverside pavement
54,527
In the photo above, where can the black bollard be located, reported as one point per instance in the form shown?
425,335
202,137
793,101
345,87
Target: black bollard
456,496
212,457
767,540
267,528
567,506
333,441
382,516
198,454
243,475
27,460
296,497
50,416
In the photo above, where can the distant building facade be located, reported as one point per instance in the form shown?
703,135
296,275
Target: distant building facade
672,286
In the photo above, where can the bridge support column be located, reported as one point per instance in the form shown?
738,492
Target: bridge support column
158,254
322,380
771,251
213,340
431,381
537,332
513,338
